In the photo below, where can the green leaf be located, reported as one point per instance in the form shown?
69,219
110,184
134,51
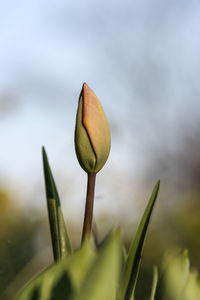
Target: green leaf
63,279
175,276
101,282
80,263
132,266
56,283
124,255
154,283
192,288
47,285
59,236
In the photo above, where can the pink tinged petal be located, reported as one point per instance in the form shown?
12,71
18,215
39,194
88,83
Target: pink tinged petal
95,122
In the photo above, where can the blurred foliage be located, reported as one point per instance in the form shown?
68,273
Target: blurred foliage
177,223
177,280
181,229
16,239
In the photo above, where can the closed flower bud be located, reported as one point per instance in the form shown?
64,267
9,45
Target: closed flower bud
92,134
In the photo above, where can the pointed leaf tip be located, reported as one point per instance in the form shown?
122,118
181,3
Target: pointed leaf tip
43,150
132,266
60,240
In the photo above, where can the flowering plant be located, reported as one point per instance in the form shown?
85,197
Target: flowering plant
101,271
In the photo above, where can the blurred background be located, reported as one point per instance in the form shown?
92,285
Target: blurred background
142,59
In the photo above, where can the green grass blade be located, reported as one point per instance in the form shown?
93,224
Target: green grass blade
154,283
59,236
130,272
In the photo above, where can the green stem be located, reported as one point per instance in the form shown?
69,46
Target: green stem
87,225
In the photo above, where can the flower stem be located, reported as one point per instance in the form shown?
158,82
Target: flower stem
87,225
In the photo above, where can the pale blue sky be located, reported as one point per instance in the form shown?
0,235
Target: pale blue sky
142,59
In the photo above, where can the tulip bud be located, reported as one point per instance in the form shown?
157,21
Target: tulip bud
92,134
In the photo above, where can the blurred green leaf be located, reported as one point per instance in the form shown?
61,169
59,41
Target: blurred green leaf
192,288
47,285
175,276
124,255
80,263
101,282
63,279
177,281
56,283
154,283
130,272
60,240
